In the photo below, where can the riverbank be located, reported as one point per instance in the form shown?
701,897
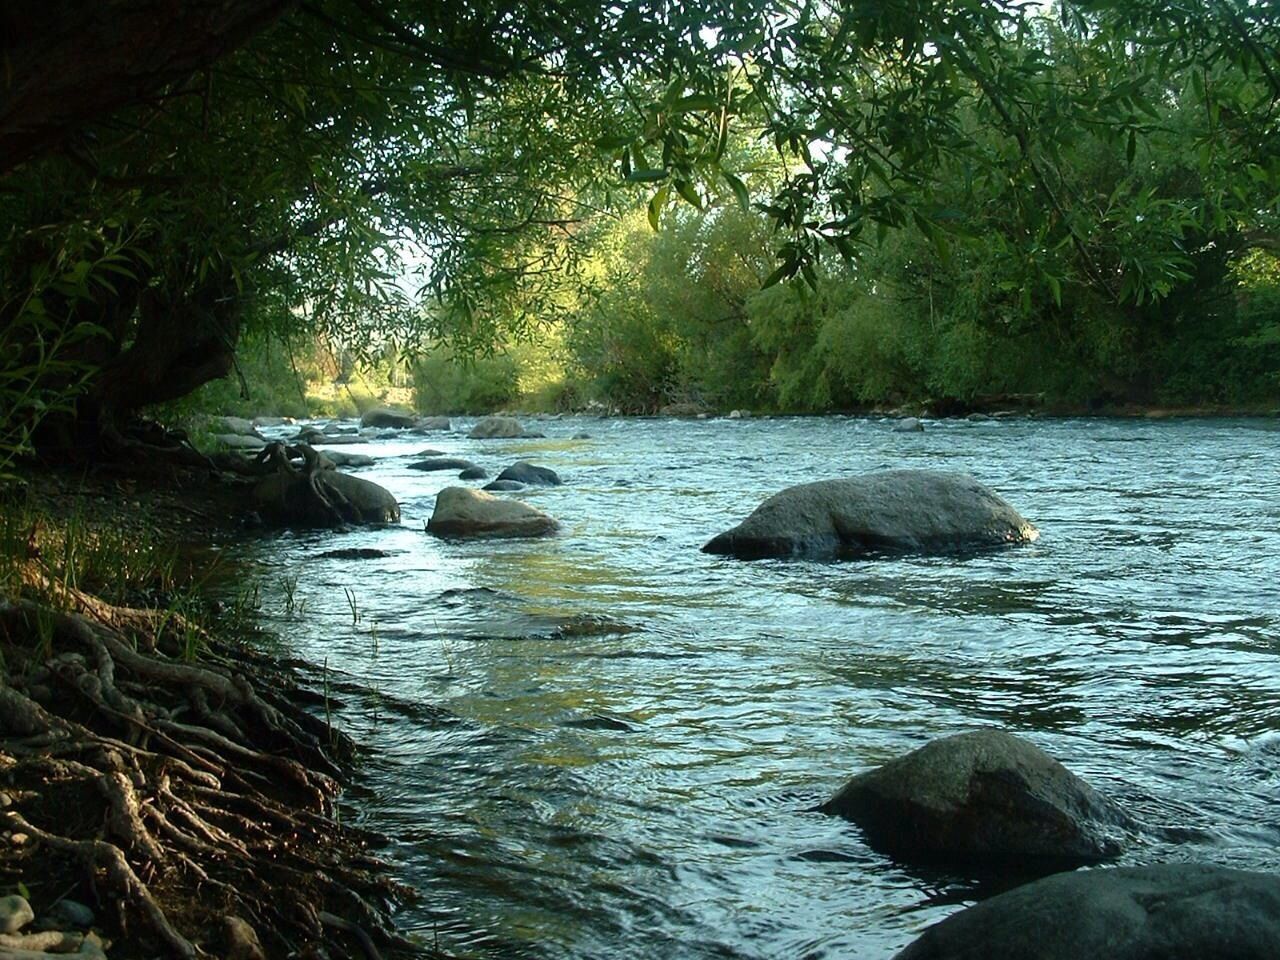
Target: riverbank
158,765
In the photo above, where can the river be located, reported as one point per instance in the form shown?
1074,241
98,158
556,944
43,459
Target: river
608,744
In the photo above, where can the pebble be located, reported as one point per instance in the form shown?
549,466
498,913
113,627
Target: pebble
15,912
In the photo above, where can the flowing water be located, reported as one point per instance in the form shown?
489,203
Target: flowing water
609,745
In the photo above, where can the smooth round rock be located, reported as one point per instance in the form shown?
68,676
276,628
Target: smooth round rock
893,511
464,512
340,458
432,425
908,425
15,913
388,417
68,915
286,499
473,473
495,428
503,486
442,463
980,797
525,472
239,441
1164,912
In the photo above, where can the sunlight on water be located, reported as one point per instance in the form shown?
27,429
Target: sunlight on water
610,744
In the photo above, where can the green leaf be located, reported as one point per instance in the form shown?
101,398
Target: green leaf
696,101
739,189
656,204
788,269
649,175
686,190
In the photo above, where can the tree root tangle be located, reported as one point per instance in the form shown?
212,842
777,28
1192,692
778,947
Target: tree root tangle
184,796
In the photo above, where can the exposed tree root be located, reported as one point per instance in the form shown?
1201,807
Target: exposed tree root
189,798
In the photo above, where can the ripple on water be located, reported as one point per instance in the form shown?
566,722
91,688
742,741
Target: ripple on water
609,744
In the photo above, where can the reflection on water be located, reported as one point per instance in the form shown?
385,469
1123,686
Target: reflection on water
610,744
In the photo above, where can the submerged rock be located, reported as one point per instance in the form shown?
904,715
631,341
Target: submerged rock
526,472
464,512
388,417
909,425
496,427
473,473
353,553
442,463
982,796
1162,912
503,486
917,511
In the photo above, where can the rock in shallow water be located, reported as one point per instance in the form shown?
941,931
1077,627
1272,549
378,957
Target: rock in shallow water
442,463
1164,912
526,472
464,512
496,427
388,417
981,797
290,499
917,511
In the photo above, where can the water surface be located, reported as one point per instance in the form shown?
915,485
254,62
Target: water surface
608,744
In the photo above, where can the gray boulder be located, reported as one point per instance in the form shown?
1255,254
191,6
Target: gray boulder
290,499
525,472
473,473
1164,912
432,425
495,428
503,486
239,441
234,425
464,512
340,459
909,425
442,463
917,511
980,797
388,417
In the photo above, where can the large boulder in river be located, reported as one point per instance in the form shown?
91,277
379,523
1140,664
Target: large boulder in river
464,512
981,797
891,511
491,428
1164,912
290,499
388,417
526,472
